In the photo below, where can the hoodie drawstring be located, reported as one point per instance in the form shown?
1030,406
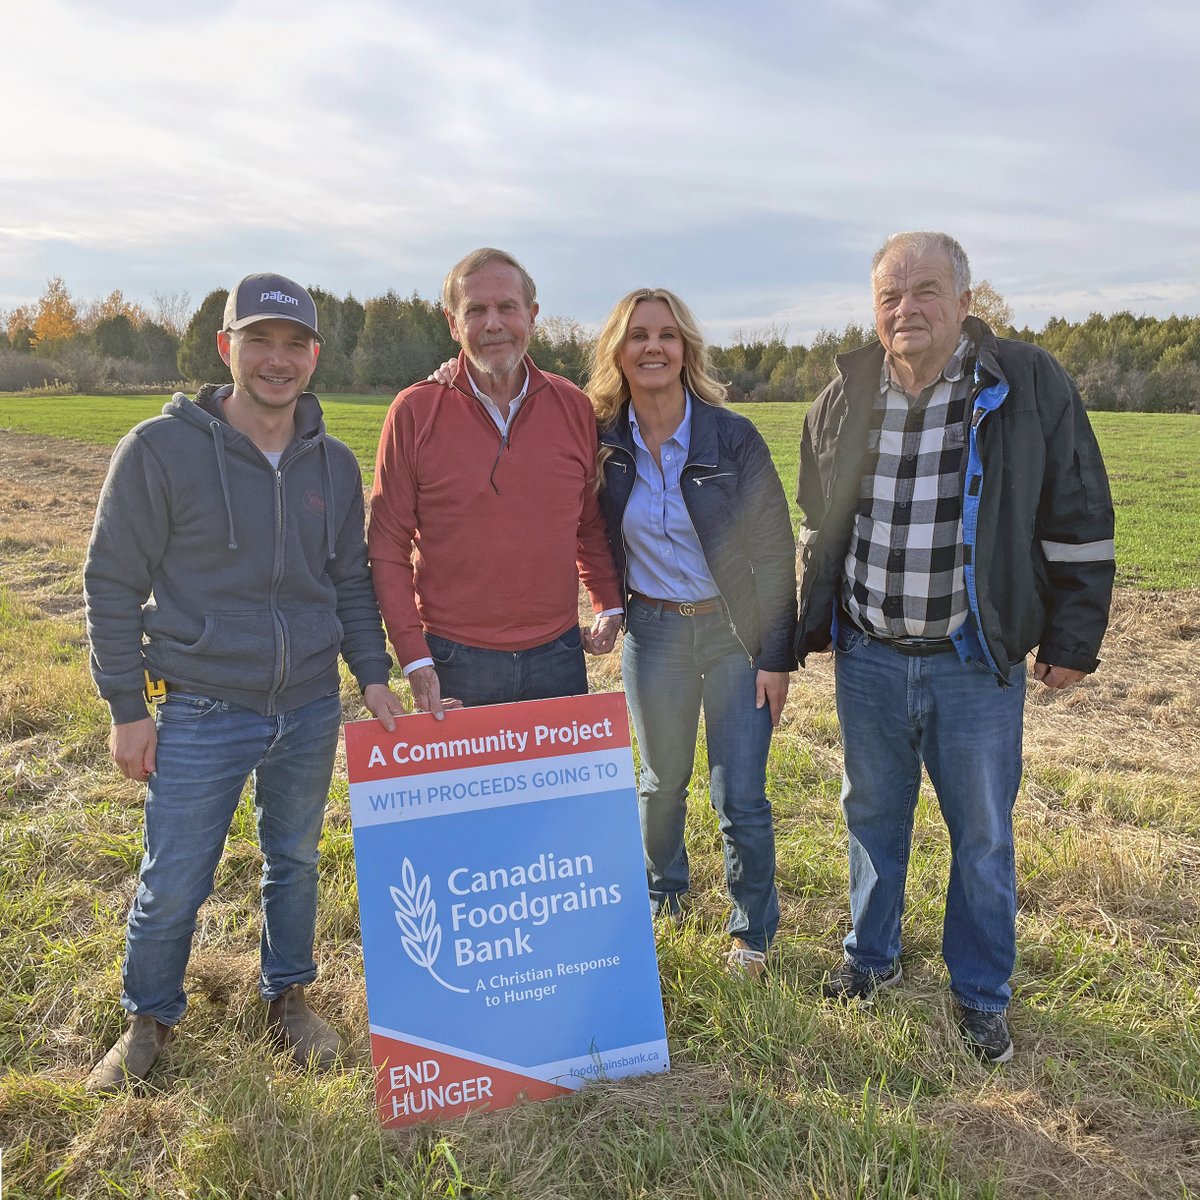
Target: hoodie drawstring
219,441
328,486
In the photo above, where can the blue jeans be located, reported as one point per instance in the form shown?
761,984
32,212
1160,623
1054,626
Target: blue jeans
897,712
672,665
207,749
477,676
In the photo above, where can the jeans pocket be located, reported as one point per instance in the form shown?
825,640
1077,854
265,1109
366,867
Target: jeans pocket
183,707
571,640
849,639
639,610
441,650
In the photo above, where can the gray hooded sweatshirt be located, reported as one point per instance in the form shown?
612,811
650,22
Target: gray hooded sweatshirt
223,575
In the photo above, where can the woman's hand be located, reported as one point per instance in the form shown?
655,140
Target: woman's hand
771,689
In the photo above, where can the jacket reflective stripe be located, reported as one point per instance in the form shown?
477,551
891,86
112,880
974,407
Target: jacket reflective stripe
1102,551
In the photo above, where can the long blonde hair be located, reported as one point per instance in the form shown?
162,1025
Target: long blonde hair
607,387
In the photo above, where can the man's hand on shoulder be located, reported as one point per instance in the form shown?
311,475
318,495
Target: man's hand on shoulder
383,703
133,747
1057,677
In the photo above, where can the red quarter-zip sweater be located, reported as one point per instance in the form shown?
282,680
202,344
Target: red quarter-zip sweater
478,541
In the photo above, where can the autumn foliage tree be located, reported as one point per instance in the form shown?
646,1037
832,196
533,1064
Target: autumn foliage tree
991,307
56,318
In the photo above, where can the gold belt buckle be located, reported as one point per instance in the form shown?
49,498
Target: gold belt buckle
687,609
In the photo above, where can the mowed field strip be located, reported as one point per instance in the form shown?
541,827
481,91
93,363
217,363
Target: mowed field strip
772,1092
1151,461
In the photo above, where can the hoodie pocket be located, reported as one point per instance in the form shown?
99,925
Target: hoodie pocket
234,650
311,640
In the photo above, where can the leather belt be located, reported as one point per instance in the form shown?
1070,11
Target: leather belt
685,608
916,647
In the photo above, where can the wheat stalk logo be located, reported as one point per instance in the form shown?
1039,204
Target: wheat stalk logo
416,914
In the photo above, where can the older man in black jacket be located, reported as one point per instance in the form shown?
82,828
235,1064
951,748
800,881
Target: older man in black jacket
957,514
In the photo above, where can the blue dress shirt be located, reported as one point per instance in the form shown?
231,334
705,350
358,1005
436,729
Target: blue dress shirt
665,560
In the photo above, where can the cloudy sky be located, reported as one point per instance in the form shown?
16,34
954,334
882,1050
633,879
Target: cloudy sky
749,155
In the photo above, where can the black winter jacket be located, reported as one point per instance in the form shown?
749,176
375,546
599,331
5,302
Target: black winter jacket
740,514
1037,513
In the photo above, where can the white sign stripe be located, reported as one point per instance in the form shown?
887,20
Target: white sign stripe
567,1072
472,789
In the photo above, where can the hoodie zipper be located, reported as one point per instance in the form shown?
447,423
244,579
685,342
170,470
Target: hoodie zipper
277,573
276,576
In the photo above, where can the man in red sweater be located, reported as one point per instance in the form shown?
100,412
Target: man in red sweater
484,514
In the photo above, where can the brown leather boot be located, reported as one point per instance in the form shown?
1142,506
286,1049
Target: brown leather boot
131,1057
742,962
296,1026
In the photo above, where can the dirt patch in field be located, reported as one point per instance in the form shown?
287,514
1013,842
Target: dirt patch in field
1140,709
48,490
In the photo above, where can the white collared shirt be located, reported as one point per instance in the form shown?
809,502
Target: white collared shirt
491,406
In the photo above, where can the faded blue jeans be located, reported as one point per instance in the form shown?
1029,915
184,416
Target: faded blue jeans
897,712
672,665
207,749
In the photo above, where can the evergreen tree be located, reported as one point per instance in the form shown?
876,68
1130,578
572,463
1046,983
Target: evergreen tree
198,359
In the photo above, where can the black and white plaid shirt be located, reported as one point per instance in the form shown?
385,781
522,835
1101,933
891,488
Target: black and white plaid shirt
903,574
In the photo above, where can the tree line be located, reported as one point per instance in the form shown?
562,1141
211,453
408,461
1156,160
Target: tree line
1121,362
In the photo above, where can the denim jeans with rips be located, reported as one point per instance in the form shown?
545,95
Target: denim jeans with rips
207,749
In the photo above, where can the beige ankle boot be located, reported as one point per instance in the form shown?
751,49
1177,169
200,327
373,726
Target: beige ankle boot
131,1057
310,1039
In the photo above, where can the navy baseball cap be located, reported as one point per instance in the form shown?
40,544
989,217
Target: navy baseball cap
267,297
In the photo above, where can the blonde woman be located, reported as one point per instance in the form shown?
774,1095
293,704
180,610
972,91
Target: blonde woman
700,531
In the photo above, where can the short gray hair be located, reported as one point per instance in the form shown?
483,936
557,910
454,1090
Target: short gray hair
923,241
475,261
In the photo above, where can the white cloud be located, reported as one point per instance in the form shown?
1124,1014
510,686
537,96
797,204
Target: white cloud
752,157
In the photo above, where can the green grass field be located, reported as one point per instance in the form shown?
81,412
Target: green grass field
1151,461
772,1093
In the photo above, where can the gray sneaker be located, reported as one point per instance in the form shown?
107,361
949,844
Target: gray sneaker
852,982
985,1034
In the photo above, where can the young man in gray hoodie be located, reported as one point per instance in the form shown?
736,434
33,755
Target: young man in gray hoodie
228,561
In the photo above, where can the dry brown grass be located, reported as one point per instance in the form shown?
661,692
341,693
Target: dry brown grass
770,1092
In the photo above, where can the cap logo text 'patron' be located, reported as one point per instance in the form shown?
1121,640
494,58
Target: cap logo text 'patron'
281,297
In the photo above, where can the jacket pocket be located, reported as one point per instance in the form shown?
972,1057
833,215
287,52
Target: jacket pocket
701,480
